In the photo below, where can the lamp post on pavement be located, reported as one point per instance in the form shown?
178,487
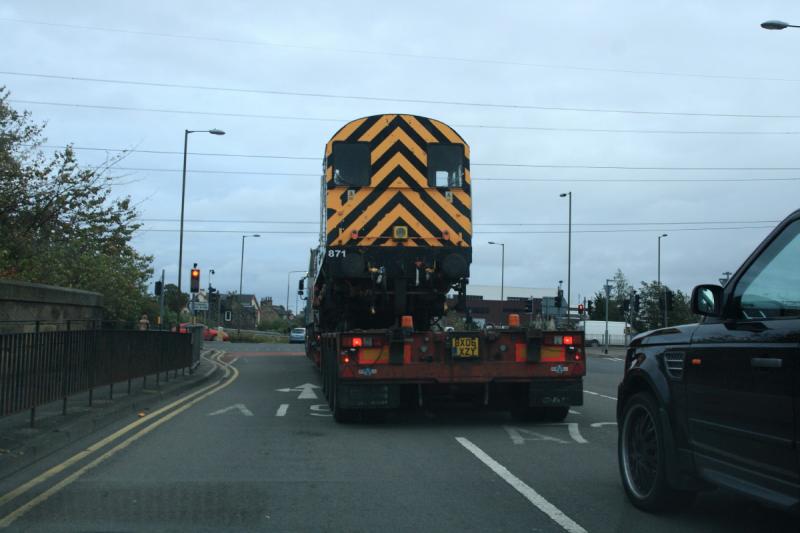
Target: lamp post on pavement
777,25
502,266
183,194
569,251
288,276
660,291
608,295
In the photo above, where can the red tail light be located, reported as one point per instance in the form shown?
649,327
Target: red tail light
356,342
568,340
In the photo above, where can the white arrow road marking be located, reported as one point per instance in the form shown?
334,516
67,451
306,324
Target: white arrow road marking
240,406
574,432
601,424
306,391
531,495
520,435
282,409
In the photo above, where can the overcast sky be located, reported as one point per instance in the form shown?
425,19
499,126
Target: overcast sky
700,57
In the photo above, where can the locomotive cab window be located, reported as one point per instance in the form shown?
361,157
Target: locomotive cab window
445,165
351,164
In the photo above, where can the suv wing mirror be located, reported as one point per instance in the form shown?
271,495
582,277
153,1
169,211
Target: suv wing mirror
707,300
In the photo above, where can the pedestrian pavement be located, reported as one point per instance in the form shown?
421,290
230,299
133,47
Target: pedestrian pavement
22,443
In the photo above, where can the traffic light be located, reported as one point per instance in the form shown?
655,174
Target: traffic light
529,305
590,307
669,295
158,288
626,305
581,309
194,285
559,297
636,303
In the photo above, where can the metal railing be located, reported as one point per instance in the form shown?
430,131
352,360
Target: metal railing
41,367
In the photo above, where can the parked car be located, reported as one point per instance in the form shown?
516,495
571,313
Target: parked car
716,404
297,335
209,334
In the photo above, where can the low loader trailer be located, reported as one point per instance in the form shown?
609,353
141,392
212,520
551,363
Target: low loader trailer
535,374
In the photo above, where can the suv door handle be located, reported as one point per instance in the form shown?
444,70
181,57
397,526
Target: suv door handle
766,362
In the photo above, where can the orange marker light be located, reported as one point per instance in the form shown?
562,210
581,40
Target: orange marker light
407,322
697,362
513,320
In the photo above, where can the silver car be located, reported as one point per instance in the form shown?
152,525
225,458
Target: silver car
297,335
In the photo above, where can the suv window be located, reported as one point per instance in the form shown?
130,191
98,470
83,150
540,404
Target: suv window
771,286
351,164
445,165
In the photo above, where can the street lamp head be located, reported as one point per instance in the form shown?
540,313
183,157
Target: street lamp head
564,194
774,25
215,131
255,235
492,242
664,235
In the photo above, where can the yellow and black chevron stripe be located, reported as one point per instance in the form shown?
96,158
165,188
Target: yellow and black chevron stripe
398,193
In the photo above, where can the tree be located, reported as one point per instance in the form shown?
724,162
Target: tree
173,300
651,314
59,223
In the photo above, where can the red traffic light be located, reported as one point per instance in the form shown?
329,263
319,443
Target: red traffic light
580,309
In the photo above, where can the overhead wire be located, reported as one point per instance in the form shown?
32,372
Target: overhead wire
361,97
455,125
389,53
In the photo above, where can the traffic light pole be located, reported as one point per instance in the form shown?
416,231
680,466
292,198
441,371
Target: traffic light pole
608,295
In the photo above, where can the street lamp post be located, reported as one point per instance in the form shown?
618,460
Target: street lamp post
660,291
777,25
208,297
569,251
241,267
608,296
183,194
502,266
288,276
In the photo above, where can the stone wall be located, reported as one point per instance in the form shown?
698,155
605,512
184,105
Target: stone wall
23,304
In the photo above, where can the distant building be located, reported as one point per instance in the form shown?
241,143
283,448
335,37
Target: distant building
241,311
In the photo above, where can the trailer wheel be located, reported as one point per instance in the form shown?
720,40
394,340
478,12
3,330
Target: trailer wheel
556,414
528,414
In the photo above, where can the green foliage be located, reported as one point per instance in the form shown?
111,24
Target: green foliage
59,224
173,300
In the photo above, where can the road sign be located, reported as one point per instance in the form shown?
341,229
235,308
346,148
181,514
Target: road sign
198,306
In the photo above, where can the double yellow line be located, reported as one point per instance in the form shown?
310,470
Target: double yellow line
173,409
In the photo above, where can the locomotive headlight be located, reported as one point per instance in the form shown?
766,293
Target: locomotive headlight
400,233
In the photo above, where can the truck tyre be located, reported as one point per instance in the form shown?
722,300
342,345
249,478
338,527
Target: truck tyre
341,415
555,414
528,414
642,458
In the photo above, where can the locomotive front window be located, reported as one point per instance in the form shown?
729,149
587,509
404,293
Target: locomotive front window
351,164
445,165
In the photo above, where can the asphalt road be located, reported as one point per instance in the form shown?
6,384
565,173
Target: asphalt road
260,451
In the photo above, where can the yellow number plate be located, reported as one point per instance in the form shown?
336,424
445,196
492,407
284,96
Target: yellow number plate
465,347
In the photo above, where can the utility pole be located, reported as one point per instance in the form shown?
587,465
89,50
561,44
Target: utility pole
569,253
161,300
660,289
608,296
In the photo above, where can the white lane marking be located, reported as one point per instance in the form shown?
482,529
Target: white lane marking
321,409
555,514
572,427
306,391
601,424
282,409
238,406
614,358
520,435
598,394
574,412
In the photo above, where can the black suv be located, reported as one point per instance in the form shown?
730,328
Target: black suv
718,403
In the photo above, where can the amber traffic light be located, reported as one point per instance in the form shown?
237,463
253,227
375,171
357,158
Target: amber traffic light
194,286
